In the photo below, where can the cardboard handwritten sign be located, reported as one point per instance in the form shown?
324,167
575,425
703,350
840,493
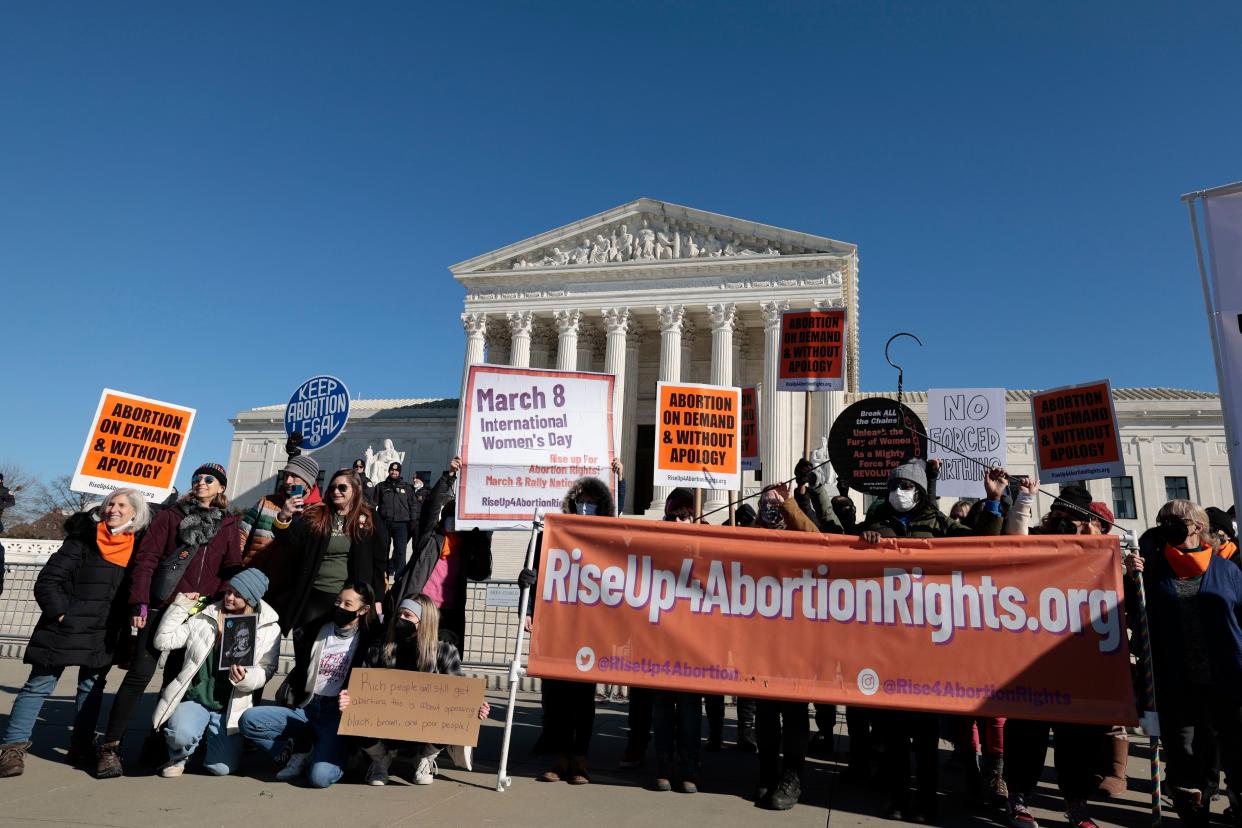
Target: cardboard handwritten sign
697,436
812,350
750,428
134,443
1076,433
407,706
965,421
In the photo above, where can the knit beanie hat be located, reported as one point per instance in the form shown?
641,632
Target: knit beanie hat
914,470
305,467
1102,511
679,498
1073,496
213,469
250,584
1219,521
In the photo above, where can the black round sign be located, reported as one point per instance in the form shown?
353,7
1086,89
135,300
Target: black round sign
870,439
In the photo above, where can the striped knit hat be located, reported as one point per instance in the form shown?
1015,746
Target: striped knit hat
215,470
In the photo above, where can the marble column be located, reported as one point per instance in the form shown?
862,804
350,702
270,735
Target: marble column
629,415
542,341
498,340
688,334
590,343
616,323
1205,492
723,317
519,329
775,438
476,340
567,322
672,319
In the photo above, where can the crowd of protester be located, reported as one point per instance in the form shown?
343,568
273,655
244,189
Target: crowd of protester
326,565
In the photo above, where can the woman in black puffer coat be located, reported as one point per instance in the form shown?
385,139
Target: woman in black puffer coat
80,593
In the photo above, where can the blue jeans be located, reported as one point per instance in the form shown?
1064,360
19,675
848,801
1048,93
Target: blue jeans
40,685
185,729
271,728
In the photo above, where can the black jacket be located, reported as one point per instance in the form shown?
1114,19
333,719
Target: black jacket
475,546
395,501
293,565
79,584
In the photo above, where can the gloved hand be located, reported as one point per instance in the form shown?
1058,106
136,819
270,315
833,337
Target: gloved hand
526,578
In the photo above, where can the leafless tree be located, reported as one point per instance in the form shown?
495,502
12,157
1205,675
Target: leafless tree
24,486
57,496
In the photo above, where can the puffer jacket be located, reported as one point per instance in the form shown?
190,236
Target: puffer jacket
198,634
87,590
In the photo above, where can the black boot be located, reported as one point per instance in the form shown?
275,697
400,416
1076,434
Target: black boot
787,792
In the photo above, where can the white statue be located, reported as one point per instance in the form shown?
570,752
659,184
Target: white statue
599,249
622,246
691,246
712,246
646,242
582,253
819,456
378,461
664,244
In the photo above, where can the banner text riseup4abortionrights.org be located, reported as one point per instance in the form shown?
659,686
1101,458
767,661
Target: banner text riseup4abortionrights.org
901,596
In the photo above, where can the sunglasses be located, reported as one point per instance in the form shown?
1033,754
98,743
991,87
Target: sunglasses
202,478
341,487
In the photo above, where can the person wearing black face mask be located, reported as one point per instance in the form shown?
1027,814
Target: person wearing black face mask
1194,607
569,706
444,559
412,642
305,736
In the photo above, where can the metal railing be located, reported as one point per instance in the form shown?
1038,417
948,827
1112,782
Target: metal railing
491,619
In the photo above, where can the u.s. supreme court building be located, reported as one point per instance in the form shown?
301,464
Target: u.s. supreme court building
653,291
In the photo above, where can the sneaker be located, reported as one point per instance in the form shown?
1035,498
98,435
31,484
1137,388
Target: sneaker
1017,814
376,775
1076,814
295,768
172,770
426,772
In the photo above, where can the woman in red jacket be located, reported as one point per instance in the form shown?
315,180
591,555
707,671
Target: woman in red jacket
193,546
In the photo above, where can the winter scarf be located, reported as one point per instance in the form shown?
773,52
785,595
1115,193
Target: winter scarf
199,525
1187,563
115,549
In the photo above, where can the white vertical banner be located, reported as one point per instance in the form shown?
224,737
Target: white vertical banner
970,422
1223,217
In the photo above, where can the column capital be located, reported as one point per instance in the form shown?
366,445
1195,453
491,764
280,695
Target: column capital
772,311
723,315
616,320
671,317
475,324
520,322
826,304
567,320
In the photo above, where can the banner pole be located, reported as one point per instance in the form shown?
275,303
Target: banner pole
806,425
503,780
698,504
1151,723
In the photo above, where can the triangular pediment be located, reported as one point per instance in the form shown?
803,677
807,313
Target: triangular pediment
647,231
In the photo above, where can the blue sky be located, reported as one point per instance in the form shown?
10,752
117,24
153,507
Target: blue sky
208,204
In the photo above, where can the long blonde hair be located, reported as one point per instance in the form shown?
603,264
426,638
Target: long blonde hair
427,638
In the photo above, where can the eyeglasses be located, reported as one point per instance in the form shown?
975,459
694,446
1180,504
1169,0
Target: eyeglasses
341,487
202,478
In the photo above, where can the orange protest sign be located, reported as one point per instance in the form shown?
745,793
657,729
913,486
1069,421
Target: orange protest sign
1027,626
133,442
697,439
812,351
1076,433
750,428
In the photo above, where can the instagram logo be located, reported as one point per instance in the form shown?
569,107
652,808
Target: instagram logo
868,681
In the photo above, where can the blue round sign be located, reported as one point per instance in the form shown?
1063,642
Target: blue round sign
318,410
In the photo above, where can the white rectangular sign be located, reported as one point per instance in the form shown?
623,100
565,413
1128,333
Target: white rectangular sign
969,421
526,435
1224,238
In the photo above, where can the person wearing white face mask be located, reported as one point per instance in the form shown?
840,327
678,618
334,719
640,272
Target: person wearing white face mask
909,513
569,706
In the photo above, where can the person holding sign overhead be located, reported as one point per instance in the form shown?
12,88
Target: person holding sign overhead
193,546
82,604
413,642
325,653
204,698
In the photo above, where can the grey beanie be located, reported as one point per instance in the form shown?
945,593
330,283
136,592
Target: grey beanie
305,467
250,584
914,470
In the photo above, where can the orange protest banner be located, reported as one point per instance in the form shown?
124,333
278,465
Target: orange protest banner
750,428
697,436
1028,626
812,351
133,442
1076,432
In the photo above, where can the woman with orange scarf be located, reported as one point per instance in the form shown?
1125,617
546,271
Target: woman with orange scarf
84,617
1194,611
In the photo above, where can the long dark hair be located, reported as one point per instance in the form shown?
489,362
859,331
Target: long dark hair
367,593
359,519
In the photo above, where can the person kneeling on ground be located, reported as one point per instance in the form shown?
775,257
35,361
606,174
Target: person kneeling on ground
413,642
203,698
306,735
